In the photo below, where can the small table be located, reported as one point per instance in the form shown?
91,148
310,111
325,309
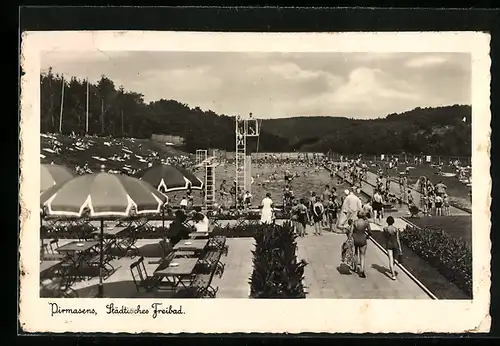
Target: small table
191,245
77,246
184,269
81,248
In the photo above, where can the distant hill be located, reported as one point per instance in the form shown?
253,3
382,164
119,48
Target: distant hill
439,131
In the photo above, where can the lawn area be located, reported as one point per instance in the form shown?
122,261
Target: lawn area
456,226
458,192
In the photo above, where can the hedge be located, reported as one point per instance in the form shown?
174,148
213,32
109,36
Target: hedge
451,256
277,274
144,232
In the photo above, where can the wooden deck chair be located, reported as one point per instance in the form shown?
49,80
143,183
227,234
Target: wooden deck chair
107,258
164,253
127,244
202,286
211,260
141,277
220,243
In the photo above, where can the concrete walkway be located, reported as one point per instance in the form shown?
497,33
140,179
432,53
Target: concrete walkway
238,269
325,278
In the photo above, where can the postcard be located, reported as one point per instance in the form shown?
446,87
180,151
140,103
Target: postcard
255,182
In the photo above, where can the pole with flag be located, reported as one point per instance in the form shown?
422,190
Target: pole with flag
87,111
62,106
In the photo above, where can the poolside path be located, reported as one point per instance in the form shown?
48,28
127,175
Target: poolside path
326,278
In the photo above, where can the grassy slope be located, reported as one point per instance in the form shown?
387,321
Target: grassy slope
105,148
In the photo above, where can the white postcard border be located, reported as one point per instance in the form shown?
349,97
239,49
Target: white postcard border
246,315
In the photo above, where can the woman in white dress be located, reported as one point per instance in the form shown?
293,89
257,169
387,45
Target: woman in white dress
266,213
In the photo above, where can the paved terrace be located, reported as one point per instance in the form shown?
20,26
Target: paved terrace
324,277
233,284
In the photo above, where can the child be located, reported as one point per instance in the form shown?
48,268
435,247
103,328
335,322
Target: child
438,202
446,205
331,213
190,198
317,215
431,203
411,202
425,203
368,210
247,199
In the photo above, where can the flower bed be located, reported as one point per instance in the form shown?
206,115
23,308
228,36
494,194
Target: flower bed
451,256
277,274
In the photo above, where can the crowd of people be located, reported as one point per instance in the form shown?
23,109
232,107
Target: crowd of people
434,200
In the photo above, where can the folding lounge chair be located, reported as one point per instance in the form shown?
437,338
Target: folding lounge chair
202,288
127,244
211,261
142,279
220,243
107,258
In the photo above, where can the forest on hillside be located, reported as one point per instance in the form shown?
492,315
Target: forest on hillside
434,130
116,112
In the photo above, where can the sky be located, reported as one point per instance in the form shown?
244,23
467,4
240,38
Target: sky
280,85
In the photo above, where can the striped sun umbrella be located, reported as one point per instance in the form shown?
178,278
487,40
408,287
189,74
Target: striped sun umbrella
102,196
168,178
51,175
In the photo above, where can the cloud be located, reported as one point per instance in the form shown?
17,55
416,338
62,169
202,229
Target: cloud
425,61
273,85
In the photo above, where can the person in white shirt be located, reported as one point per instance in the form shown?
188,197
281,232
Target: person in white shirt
247,199
266,213
200,222
184,202
351,206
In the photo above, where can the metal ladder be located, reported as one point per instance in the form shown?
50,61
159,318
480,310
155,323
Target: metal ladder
240,163
209,186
